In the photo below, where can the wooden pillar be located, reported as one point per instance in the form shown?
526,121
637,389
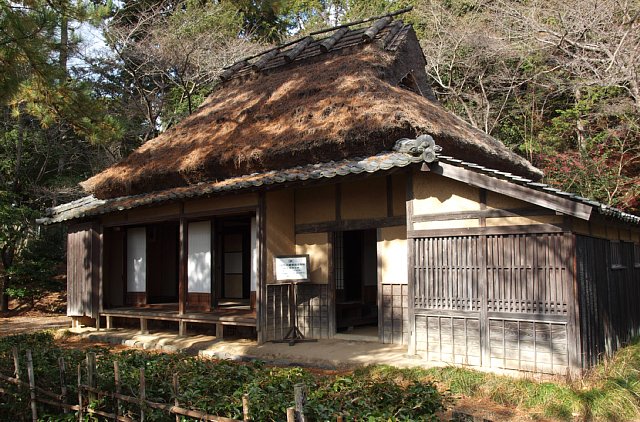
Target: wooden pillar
574,331
411,263
182,328
182,264
219,331
143,326
331,294
109,322
485,355
261,291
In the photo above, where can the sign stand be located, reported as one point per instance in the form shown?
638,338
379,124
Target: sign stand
294,335
292,270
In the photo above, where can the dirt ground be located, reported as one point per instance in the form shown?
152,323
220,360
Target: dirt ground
48,313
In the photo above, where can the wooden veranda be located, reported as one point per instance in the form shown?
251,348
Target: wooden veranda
220,317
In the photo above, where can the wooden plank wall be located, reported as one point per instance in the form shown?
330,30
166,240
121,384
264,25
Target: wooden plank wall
609,284
499,301
83,270
312,311
395,314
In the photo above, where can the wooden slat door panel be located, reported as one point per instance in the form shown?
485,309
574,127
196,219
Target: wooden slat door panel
83,270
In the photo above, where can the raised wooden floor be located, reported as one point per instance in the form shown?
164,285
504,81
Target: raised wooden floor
238,316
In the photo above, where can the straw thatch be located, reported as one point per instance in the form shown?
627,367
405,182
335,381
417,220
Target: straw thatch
337,105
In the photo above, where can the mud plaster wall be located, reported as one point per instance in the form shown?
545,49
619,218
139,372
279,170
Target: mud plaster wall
434,194
317,246
280,229
503,202
399,190
315,205
392,255
523,221
364,199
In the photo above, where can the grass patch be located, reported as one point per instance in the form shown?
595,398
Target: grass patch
608,392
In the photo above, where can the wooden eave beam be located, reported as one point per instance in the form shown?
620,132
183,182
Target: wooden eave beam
523,193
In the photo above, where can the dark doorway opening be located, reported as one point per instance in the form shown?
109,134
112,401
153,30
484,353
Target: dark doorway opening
162,263
356,281
233,237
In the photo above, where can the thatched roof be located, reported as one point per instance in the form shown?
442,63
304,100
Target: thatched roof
316,107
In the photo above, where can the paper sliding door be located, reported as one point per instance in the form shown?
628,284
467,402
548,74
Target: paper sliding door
136,265
199,265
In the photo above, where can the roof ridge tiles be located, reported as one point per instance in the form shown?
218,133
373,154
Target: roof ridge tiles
324,45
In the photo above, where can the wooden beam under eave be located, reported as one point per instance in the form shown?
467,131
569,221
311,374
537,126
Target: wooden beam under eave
504,187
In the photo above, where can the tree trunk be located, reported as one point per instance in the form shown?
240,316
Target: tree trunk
7,260
4,302
64,41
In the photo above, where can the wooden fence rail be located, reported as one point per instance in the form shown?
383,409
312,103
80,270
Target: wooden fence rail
88,393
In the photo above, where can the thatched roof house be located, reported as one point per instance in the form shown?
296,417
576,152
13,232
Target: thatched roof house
326,164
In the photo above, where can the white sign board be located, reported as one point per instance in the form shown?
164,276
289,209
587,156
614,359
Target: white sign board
292,268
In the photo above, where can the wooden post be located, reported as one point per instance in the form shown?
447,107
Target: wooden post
143,326
176,391
91,375
219,331
245,408
116,378
63,384
16,364
109,322
300,397
80,392
182,328
182,264
291,414
32,387
143,388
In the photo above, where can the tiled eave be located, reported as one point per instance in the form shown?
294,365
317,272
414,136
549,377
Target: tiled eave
90,206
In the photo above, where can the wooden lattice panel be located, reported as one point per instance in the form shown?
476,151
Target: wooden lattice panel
529,346
448,339
395,314
447,273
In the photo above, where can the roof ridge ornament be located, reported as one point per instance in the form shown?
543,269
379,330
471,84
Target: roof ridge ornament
259,61
424,146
